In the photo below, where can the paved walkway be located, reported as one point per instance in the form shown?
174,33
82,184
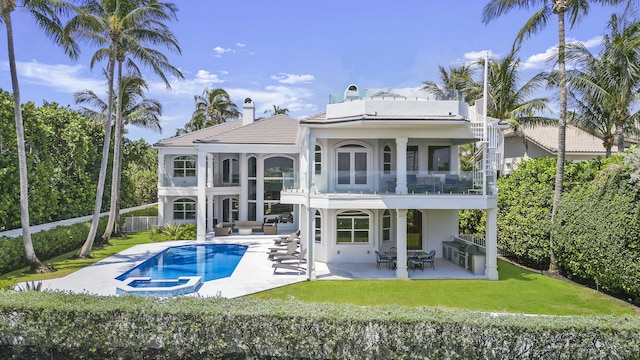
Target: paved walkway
37,228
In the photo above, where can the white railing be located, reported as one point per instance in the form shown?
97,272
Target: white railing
139,223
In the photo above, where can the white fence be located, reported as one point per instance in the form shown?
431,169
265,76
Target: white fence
140,223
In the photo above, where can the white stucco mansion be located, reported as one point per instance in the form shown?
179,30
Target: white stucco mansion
379,169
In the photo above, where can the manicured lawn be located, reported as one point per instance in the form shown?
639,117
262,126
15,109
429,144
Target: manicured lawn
517,291
65,264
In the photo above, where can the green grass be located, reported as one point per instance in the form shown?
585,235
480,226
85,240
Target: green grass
517,291
66,264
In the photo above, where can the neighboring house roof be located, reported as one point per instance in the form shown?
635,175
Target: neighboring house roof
577,140
279,130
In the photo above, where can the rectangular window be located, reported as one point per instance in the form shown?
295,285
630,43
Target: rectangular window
352,227
412,158
439,158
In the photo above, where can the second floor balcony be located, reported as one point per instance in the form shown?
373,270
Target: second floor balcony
381,183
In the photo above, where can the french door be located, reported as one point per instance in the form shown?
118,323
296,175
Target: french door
352,168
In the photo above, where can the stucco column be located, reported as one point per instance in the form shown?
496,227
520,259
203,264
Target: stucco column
401,165
401,236
161,168
210,213
161,204
310,235
243,198
311,163
201,202
491,237
210,170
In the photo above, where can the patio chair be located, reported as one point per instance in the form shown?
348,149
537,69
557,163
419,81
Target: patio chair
279,258
291,265
429,259
415,263
220,230
290,249
287,239
382,259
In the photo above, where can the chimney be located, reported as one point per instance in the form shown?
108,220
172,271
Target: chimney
248,112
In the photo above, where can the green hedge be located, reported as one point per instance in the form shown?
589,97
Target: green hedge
41,324
47,244
598,233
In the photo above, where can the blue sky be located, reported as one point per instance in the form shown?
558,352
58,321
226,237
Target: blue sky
294,53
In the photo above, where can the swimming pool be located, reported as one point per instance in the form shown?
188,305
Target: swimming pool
208,261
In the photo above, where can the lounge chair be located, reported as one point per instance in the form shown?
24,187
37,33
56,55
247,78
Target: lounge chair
287,239
290,249
278,258
295,266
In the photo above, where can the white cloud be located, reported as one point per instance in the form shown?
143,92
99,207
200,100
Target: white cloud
60,77
541,60
240,44
221,51
292,78
474,56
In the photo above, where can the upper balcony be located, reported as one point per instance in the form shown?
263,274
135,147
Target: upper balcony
166,180
381,183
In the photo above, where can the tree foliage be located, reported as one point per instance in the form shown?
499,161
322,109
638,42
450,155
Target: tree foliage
525,201
598,231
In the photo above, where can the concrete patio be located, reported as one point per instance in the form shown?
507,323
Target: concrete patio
253,273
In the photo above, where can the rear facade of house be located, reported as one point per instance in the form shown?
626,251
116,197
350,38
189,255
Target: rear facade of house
379,170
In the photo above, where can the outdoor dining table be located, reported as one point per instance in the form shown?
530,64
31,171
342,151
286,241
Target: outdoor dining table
410,254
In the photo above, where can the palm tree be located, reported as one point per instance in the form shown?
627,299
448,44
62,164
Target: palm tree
137,110
540,18
45,13
457,78
516,105
603,87
277,110
212,107
123,26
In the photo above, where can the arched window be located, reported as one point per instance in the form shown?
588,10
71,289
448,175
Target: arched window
352,227
230,171
386,226
253,189
184,209
318,160
318,227
274,169
184,166
386,159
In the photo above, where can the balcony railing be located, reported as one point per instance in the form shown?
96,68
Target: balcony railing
395,94
167,180
421,183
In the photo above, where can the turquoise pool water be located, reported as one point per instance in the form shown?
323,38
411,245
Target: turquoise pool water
209,261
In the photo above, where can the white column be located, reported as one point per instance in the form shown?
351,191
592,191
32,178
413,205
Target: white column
491,236
243,199
201,202
210,213
401,239
310,235
161,168
161,204
401,165
210,170
259,188
311,158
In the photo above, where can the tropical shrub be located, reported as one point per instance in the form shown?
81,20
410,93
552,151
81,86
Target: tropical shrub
44,325
47,244
598,232
524,205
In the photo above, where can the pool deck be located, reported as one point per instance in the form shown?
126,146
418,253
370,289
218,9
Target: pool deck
253,273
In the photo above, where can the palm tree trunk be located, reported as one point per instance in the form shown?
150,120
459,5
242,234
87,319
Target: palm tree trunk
620,136
85,251
32,258
115,173
560,8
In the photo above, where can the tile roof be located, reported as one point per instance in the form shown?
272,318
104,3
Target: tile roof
277,130
577,140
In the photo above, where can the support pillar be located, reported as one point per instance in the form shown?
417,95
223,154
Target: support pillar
201,202
401,236
491,236
401,165
210,213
